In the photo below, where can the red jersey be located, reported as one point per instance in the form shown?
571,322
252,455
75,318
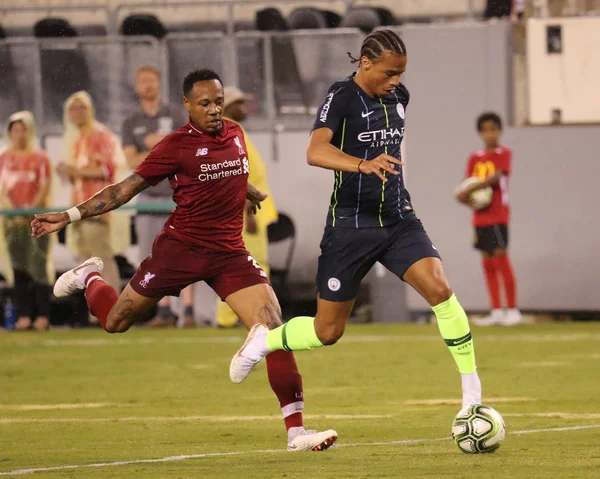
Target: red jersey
21,176
209,178
483,164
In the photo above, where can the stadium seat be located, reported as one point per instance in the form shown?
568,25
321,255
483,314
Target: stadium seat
497,8
143,24
386,16
368,18
282,230
307,18
54,28
63,67
270,20
333,19
290,92
10,95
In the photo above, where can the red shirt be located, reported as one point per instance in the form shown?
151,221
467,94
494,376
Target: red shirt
21,176
97,149
209,178
483,164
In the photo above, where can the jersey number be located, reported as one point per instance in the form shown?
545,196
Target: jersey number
257,266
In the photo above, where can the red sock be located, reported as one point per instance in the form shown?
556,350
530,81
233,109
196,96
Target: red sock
508,277
100,297
286,383
491,278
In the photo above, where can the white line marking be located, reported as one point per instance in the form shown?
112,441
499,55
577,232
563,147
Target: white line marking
442,402
481,336
267,451
50,407
558,415
29,420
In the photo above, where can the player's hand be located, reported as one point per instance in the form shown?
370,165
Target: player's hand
251,224
44,224
377,166
254,196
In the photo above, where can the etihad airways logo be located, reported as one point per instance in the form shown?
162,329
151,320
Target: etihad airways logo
385,137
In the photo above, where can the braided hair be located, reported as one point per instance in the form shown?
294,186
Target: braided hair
378,43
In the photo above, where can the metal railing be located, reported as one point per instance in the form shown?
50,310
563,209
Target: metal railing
111,62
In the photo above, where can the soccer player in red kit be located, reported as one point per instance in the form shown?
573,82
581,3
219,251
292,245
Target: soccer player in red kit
492,165
207,167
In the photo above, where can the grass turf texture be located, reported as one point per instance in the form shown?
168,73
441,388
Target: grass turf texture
167,393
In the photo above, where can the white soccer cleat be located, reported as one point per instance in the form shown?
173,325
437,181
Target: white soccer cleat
249,354
495,318
74,280
512,317
312,441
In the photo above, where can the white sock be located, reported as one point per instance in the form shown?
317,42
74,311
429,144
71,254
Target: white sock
294,431
471,388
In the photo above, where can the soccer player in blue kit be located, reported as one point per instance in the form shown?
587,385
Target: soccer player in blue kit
357,134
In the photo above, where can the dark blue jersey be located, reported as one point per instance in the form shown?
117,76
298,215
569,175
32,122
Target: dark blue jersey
365,127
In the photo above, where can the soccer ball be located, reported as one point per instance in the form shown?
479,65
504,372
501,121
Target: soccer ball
478,428
480,199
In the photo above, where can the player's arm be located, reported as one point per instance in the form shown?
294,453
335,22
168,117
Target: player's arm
108,199
323,154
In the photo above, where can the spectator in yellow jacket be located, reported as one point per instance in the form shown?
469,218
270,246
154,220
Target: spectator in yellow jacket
255,227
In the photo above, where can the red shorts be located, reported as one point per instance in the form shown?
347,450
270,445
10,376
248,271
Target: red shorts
173,265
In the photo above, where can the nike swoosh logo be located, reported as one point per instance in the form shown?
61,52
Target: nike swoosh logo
364,115
80,267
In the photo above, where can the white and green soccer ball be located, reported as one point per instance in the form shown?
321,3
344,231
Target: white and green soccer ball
480,199
478,429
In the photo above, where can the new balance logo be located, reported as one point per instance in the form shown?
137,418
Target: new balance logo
146,280
202,152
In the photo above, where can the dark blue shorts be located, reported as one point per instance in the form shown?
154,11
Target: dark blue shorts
347,254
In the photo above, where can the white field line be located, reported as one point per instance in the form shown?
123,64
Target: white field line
265,451
557,415
50,407
29,420
110,341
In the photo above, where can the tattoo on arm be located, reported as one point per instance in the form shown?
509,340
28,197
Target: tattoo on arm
270,315
113,196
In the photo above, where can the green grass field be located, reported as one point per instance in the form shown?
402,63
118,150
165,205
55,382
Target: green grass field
390,391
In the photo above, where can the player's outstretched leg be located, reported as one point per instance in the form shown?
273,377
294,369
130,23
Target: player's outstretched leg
259,310
298,334
116,314
428,278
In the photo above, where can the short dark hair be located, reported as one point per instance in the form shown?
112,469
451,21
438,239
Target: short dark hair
379,42
199,75
489,116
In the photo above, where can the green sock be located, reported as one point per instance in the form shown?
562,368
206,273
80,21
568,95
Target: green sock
298,334
454,327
